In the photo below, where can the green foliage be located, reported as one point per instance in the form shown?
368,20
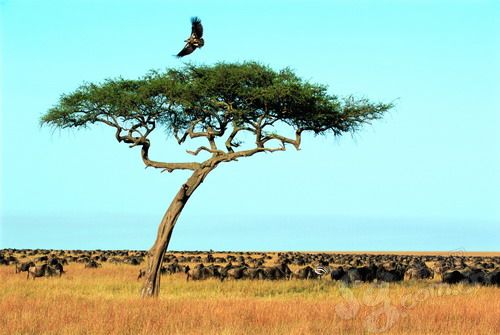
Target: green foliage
218,94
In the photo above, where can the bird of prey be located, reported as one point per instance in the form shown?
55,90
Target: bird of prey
194,41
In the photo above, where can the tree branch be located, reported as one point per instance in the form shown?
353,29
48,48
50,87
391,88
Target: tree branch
236,129
149,125
285,140
187,133
169,167
234,156
203,148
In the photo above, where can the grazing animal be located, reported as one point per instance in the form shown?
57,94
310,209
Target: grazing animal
4,261
195,40
281,271
171,268
418,272
92,264
360,274
133,260
388,276
476,276
55,269
45,270
453,277
199,272
23,267
256,273
236,273
37,271
305,273
338,274
493,278
142,273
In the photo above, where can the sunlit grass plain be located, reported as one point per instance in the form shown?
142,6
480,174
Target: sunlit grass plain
106,301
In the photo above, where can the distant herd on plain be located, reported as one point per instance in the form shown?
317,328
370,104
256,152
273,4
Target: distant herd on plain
197,265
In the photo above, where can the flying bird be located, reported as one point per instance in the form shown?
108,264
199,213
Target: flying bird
194,41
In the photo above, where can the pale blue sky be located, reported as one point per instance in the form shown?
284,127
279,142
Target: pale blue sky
426,177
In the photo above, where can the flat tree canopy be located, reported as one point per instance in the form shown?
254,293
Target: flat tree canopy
246,96
218,102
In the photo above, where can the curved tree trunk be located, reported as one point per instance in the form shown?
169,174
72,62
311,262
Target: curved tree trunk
151,287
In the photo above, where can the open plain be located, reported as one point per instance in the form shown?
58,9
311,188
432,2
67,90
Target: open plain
103,298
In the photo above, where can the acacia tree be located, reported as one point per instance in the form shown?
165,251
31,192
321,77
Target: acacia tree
218,104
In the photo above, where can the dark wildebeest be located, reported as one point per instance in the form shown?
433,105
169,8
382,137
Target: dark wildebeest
360,274
493,278
199,272
453,277
214,271
172,268
55,269
476,276
389,276
338,273
45,270
54,261
23,267
133,260
256,273
92,264
37,271
281,271
368,273
285,270
418,272
4,261
305,273
236,273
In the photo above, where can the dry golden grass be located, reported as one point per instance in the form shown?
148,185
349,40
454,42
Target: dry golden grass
105,301
457,252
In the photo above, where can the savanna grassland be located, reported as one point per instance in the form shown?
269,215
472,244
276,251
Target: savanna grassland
106,301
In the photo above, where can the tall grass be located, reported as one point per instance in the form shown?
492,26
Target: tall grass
106,301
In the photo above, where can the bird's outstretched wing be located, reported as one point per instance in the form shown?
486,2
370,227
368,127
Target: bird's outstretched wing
188,48
195,40
196,27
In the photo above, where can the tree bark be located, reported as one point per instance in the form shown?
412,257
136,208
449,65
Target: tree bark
151,287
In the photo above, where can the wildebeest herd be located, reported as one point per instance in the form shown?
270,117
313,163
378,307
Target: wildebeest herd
197,265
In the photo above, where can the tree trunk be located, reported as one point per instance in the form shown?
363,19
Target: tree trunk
151,287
